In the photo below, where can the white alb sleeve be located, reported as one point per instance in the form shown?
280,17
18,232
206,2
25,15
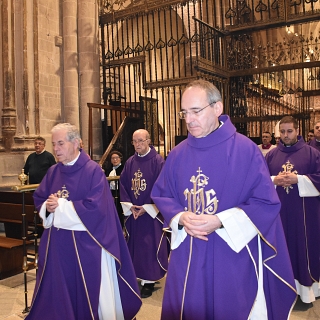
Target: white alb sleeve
46,221
66,217
126,206
151,209
306,187
238,229
272,179
177,236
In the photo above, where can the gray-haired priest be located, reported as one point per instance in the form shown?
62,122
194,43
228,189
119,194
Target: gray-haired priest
85,270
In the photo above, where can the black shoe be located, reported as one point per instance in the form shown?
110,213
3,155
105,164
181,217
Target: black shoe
146,290
302,306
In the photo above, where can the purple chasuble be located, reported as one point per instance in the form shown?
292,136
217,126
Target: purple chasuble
300,215
208,175
314,143
69,274
147,242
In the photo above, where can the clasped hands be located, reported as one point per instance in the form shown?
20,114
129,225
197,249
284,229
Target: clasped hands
285,179
52,202
199,226
137,211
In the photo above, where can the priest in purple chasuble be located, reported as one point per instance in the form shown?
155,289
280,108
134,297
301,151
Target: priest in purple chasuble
229,258
315,142
147,242
295,171
85,270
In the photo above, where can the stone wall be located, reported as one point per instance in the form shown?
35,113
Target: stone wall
49,72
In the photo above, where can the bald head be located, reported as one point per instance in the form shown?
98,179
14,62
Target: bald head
142,132
140,141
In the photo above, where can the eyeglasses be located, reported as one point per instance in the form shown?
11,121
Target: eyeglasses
133,142
115,158
183,114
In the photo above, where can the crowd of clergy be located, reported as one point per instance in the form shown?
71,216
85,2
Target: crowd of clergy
222,219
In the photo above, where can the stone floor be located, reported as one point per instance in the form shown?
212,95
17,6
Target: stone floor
12,301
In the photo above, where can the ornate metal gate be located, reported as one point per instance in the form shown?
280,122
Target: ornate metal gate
264,68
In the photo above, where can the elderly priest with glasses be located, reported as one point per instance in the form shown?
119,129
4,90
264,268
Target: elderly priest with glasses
147,242
229,258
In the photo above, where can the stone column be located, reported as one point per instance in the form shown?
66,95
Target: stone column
89,84
70,61
9,116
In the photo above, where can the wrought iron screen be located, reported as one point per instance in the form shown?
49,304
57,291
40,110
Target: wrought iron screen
262,55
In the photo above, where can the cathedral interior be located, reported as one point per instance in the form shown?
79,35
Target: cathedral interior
111,67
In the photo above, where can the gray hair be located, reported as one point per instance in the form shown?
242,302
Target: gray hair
72,133
213,94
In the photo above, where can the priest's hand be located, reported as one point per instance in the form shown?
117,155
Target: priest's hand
285,179
199,226
281,180
292,178
137,211
52,203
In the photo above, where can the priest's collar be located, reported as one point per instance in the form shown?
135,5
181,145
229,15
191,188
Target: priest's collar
218,127
225,130
294,147
71,163
116,167
289,145
143,155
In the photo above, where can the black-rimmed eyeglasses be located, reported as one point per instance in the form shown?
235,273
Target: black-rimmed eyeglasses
183,114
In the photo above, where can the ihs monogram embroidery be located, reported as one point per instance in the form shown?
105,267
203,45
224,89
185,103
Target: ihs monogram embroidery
64,193
200,201
138,184
287,168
